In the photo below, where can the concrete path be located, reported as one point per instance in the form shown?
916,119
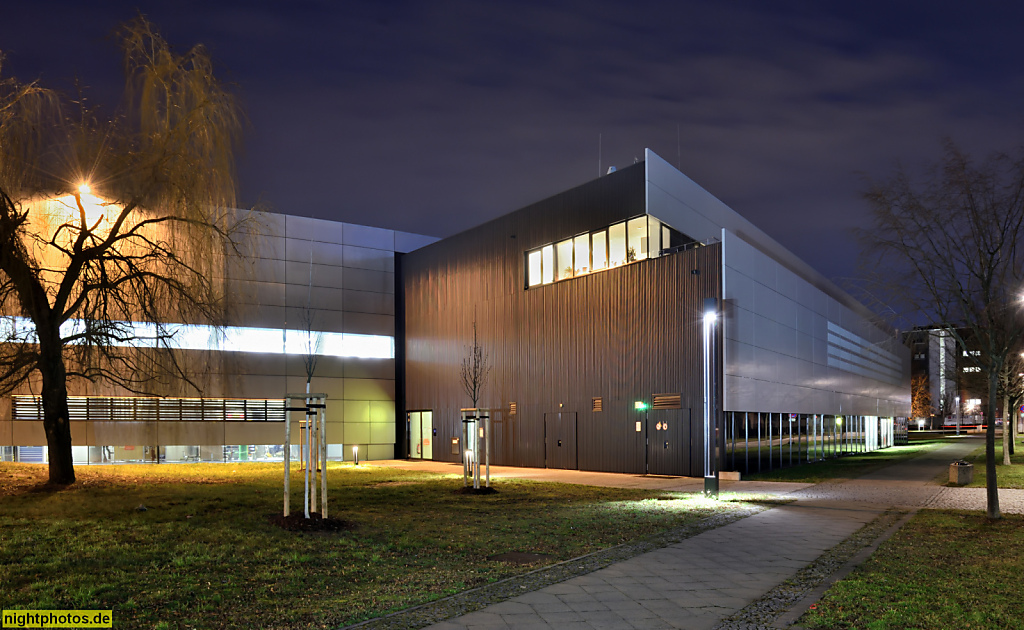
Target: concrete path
606,480
700,581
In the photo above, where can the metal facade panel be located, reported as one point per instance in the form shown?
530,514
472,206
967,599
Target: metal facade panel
777,349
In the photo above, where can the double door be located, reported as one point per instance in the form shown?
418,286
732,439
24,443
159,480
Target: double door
421,435
668,442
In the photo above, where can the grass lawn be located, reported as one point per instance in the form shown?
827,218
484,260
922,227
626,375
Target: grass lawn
1011,476
848,466
942,570
203,555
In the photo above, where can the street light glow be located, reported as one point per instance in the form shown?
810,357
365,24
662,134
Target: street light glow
84,188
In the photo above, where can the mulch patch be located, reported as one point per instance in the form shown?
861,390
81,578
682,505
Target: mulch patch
315,523
521,557
472,490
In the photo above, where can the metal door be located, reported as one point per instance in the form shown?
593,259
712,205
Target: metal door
560,440
668,442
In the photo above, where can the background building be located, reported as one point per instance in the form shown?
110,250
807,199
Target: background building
953,382
344,274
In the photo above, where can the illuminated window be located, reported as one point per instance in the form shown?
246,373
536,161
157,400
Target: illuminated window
233,339
533,267
636,247
563,260
617,244
653,237
638,238
972,368
581,253
599,251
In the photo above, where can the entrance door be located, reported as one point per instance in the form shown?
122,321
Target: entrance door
560,440
668,442
421,438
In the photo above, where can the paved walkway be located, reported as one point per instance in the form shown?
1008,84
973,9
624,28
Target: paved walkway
700,581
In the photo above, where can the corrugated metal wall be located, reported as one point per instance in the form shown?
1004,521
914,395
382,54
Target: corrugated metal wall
622,334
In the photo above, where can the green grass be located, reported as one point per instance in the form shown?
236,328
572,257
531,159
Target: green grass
1011,476
943,570
203,555
847,466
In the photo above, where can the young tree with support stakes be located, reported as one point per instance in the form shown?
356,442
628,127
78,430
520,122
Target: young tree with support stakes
951,249
113,227
475,370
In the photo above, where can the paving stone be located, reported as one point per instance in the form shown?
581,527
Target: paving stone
561,617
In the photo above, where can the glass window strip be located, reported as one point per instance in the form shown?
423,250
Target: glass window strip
635,239
149,409
227,339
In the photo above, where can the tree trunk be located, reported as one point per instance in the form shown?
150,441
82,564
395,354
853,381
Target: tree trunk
1006,432
991,487
1013,424
56,421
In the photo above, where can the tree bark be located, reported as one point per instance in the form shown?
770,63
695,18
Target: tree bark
56,422
991,486
1013,424
1006,432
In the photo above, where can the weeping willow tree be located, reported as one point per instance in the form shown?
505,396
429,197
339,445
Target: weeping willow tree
113,227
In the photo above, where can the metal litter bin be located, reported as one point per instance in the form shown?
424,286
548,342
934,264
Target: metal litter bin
961,473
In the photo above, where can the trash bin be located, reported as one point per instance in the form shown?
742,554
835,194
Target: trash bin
961,473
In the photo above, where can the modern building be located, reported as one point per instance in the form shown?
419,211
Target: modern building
954,387
591,304
590,307
343,274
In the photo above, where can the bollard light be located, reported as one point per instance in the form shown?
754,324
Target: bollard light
355,454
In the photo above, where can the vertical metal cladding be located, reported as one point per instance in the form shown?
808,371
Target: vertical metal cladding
621,335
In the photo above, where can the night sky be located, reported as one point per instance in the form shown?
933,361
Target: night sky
432,117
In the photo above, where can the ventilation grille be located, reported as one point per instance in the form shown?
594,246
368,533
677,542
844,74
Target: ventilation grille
667,401
513,408
108,409
597,404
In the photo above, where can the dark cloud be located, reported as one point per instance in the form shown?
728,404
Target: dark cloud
432,117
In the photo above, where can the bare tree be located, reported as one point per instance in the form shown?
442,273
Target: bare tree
1011,390
949,249
475,369
109,222
313,340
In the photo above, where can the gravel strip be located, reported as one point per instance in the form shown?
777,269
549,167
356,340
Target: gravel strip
480,597
761,613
